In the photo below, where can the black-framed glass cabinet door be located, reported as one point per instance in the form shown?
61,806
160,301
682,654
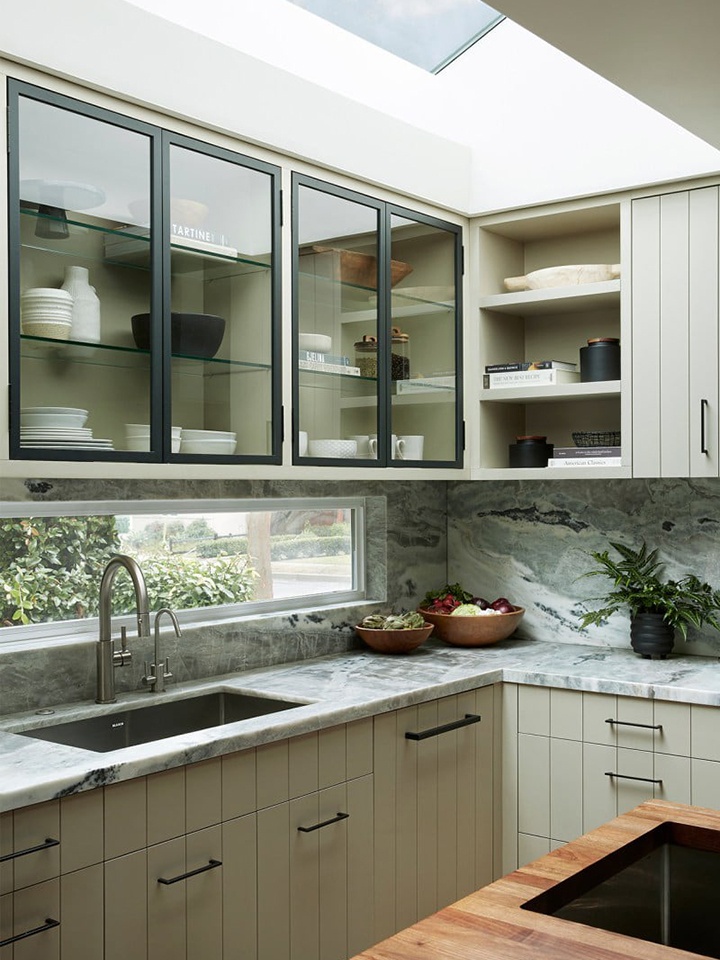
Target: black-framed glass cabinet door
144,291
222,296
377,338
84,187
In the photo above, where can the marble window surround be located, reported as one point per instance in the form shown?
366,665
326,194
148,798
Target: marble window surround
528,540
405,553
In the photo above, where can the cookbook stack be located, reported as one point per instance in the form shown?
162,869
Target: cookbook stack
586,457
533,373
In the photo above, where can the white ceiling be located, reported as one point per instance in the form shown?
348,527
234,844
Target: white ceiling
665,52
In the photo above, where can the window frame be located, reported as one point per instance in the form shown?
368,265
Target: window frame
83,629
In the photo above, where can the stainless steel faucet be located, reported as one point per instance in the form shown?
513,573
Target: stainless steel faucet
157,673
107,657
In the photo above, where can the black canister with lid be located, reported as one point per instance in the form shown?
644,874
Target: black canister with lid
600,360
530,452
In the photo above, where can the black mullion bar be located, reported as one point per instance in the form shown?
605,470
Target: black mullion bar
13,195
160,326
384,340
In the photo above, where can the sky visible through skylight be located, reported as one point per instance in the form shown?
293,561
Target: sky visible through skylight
428,33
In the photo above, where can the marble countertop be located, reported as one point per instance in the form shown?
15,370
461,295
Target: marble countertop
333,690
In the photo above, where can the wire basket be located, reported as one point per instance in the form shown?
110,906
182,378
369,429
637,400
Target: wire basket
596,438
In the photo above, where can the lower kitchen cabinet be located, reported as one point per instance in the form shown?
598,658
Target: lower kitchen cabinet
433,806
576,760
315,875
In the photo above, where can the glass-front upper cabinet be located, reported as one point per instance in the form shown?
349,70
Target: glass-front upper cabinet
377,345
222,290
144,291
337,333
83,261
425,341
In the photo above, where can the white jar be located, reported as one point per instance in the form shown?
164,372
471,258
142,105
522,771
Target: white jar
86,305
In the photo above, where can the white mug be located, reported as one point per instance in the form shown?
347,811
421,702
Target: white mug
374,445
410,448
302,443
363,445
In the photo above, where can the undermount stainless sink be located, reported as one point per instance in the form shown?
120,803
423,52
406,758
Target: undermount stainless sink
127,728
661,887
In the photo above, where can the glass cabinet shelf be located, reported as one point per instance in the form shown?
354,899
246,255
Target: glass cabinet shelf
349,377
127,232
115,355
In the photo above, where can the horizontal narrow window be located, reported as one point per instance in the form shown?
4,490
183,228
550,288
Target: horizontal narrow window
206,559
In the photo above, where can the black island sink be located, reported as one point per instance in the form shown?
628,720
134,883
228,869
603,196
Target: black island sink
130,727
662,887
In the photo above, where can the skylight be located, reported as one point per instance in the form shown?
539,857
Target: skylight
428,33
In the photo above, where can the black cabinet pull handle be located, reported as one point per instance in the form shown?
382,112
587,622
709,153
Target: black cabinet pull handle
325,823
468,719
625,776
626,723
210,865
49,842
48,925
703,419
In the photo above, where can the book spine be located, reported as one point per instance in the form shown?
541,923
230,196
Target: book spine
530,365
529,378
586,462
329,368
323,358
586,453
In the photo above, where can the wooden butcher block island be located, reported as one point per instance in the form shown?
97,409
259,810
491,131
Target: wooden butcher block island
645,885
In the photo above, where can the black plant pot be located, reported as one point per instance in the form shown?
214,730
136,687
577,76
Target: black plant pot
651,636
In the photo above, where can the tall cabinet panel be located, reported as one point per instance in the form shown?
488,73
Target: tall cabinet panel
675,334
77,374
377,332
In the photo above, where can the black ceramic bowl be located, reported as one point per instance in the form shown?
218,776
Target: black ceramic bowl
193,334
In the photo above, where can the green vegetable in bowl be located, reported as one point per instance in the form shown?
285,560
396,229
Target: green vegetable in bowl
404,621
452,590
467,610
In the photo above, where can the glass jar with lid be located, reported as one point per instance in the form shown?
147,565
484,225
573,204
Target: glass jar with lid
366,355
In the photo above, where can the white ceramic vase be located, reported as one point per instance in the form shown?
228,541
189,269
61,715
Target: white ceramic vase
86,305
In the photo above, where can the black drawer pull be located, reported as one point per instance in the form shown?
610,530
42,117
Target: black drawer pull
625,776
325,823
626,723
445,728
48,925
23,853
210,865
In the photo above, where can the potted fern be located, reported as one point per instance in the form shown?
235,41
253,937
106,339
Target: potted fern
657,608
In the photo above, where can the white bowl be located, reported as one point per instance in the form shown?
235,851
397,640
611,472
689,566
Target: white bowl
52,419
333,448
315,342
52,329
212,447
143,430
200,435
46,293
74,410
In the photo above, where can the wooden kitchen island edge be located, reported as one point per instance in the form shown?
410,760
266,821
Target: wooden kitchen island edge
490,924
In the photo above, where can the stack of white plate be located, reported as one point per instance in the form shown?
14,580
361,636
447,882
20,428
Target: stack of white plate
46,312
58,428
214,442
137,437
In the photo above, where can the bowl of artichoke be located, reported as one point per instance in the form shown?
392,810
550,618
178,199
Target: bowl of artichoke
396,633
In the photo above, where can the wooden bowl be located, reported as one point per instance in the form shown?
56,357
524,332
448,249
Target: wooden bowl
395,641
474,631
360,269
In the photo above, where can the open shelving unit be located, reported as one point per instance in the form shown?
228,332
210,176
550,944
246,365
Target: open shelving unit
550,324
